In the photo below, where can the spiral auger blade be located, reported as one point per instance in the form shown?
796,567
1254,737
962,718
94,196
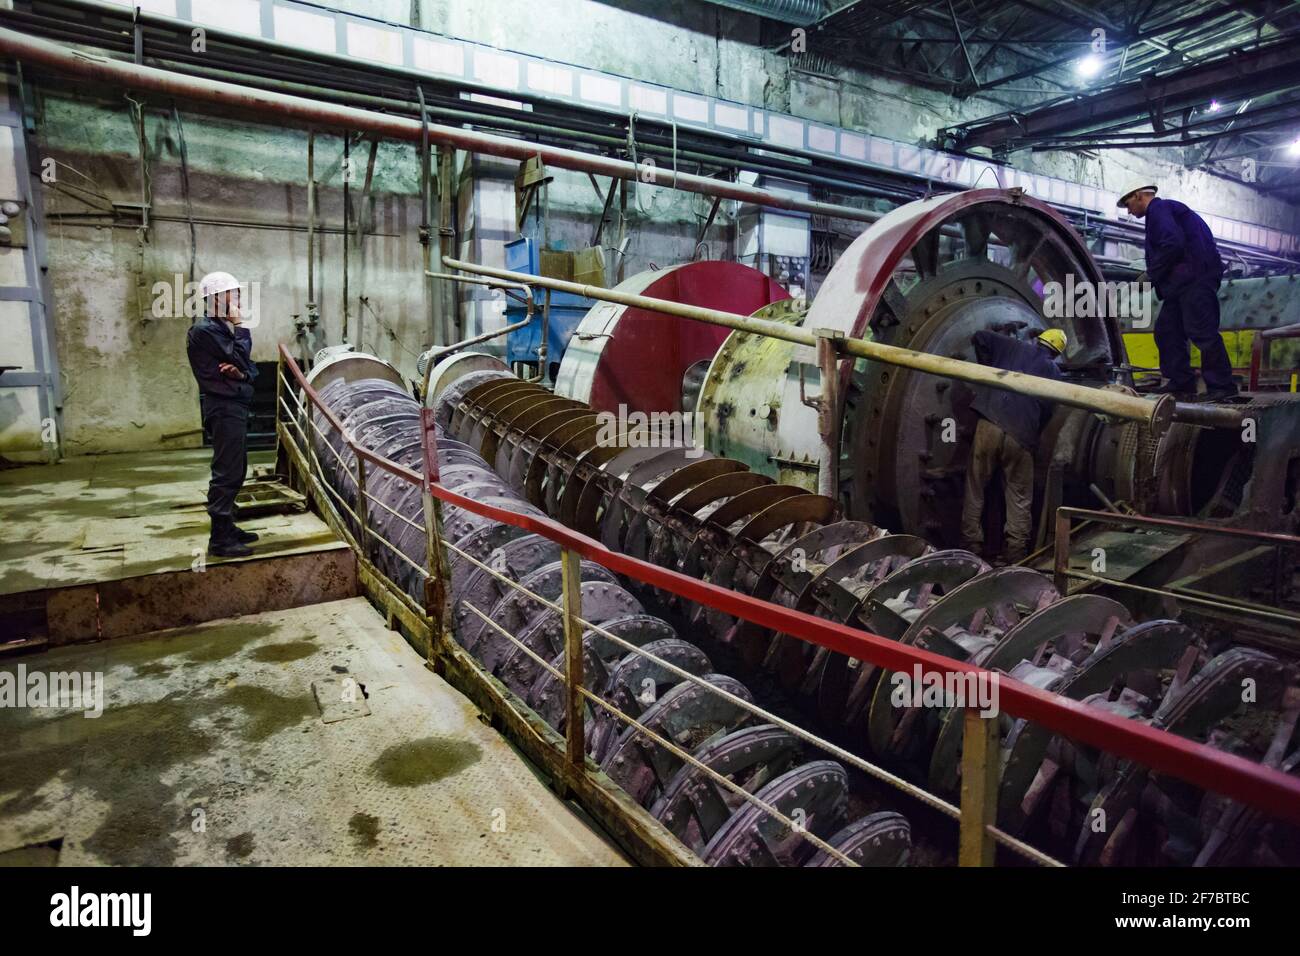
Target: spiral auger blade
712,518
543,453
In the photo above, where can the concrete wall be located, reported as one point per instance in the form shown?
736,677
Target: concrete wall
702,48
124,369
124,372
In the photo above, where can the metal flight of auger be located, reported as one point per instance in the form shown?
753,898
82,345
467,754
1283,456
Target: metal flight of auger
713,518
765,760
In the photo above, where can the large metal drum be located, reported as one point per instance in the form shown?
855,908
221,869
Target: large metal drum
645,361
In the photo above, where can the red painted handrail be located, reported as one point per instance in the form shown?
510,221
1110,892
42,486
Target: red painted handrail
1264,788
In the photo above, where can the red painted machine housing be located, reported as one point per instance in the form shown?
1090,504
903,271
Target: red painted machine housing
622,355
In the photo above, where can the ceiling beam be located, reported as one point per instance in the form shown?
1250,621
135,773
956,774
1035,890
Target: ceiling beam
1267,67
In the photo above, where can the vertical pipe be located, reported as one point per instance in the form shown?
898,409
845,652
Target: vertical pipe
574,730
363,223
828,412
347,224
432,300
980,766
311,219
1061,560
621,271
283,462
446,236
543,350
311,245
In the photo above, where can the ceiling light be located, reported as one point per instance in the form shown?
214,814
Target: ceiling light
1089,66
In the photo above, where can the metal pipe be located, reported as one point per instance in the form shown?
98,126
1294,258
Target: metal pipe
175,51
435,357
1208,416
1157,415
447,239
101,69
542,349
1184,526
311,240
442,353
347,225
432,298
828,405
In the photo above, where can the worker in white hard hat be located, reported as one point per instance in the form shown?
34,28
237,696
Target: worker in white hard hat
1184,265
220,354
1006,436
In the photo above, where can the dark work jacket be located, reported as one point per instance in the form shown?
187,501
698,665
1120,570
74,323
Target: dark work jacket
210,342
1020,416
1180,248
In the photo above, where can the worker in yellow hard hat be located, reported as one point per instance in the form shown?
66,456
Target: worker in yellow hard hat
1006,437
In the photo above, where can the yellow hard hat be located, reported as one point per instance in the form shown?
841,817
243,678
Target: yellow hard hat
1055,339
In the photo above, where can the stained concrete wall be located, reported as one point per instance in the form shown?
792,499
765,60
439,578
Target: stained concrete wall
124,372
703,48
126,378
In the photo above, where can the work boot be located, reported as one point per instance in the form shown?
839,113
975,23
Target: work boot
228,549
223,542
244,537
1220,394
1179,392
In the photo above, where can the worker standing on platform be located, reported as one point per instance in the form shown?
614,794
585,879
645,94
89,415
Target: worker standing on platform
1006,437
1184,265
220,354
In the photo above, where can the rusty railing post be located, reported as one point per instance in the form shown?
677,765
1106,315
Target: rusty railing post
1061,561
283,461
435,587
574,732
279,391
980,769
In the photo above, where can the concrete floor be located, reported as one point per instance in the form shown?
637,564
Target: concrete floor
110,517
213,748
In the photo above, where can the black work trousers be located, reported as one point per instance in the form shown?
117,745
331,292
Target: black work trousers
226,420
1193,316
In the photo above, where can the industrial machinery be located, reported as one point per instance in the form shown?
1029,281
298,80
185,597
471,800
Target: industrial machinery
770,760
744,512
558,313
649,362
926,277
714,518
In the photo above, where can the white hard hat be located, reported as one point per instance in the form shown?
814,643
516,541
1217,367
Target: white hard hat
215,282
1140,186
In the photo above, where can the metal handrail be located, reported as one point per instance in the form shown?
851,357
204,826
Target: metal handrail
1062,572
662,741
1214,770
893,780
1179,524
1261,787
880,773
